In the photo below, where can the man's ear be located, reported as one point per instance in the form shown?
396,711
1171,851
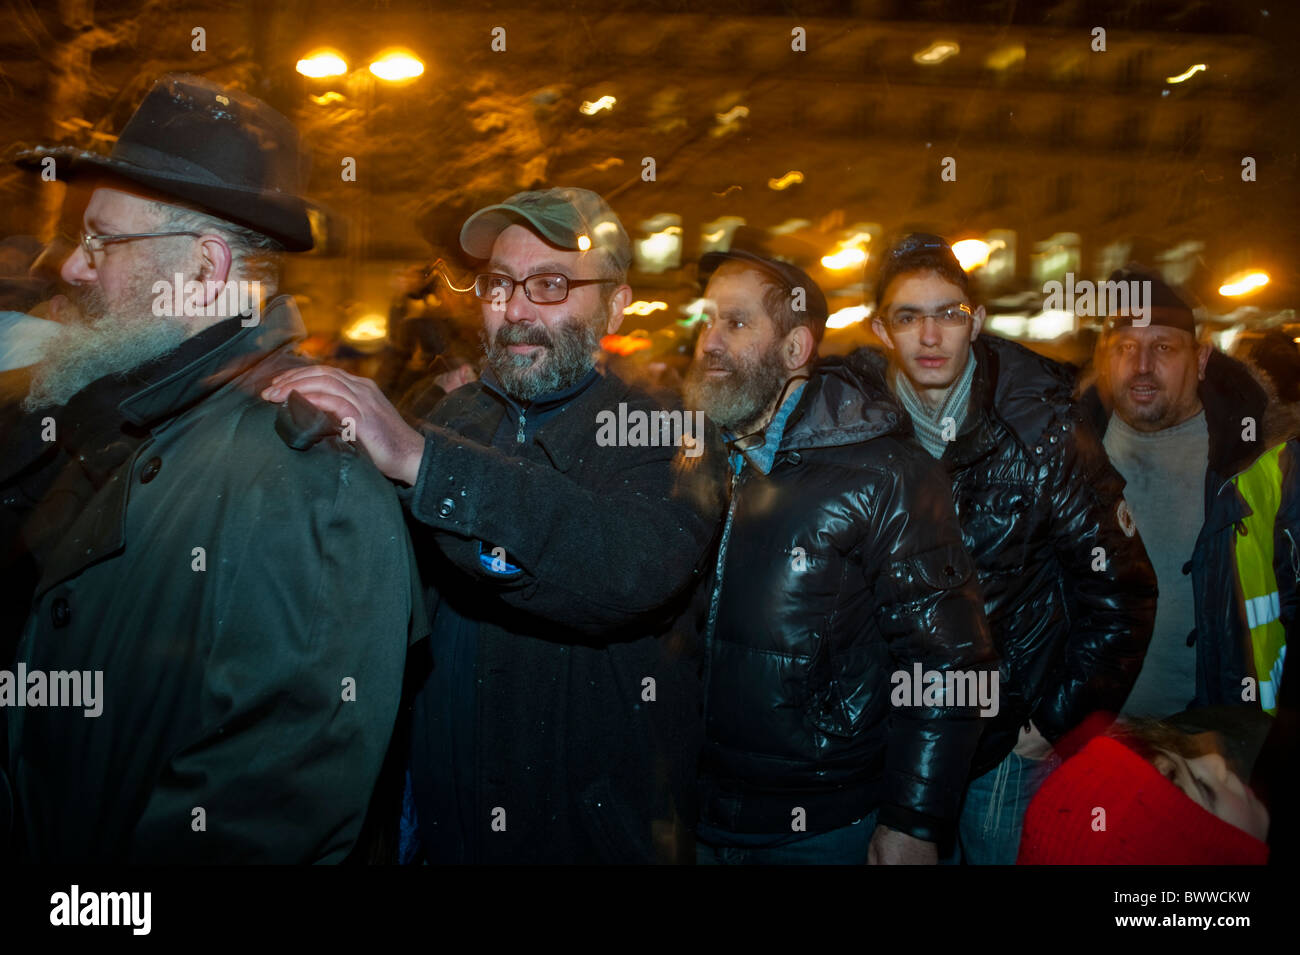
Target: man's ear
215,261
882,333
799,347
1202,359
977,322
620,300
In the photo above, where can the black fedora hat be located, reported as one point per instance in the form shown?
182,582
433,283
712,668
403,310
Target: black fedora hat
216,148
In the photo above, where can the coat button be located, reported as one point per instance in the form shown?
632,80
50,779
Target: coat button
446,507
150,470
60,612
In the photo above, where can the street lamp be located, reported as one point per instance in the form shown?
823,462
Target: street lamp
322,64
397,66
391,66
353,90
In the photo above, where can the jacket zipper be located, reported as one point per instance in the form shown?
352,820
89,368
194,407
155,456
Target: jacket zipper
714,598
519,437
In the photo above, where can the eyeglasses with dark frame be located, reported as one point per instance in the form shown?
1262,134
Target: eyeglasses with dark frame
905,319
91,244
544,288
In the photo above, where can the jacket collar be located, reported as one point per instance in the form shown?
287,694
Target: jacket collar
1230,393
104,532
846,401
559,437
980,436
542,403
280,324
764,456
176,390
1027,392
1015,392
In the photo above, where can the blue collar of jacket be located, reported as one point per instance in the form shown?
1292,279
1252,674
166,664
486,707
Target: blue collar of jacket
763,458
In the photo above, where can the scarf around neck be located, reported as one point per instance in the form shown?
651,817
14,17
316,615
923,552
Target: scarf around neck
929,424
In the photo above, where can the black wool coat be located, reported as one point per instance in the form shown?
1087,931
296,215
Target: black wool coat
248,608
583,681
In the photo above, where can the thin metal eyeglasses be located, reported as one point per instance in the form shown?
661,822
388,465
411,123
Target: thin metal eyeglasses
952,317
95,243
544,288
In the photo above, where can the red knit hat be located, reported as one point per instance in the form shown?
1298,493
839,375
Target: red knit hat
1148,820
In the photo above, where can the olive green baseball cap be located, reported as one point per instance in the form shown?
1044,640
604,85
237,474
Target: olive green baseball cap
568,217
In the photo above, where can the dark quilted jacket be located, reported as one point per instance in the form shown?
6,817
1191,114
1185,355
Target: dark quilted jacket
1070,596
839,569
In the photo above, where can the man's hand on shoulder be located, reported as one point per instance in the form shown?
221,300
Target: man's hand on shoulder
890,847
394,446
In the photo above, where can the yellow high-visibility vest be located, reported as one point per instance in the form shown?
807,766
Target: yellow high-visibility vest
1261,487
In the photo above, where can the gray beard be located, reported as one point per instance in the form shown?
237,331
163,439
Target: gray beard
738,401
105,342
566,357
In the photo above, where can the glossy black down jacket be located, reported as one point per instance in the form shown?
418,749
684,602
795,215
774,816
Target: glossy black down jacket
837,570
1069,592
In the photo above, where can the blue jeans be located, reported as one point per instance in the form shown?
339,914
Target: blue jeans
993,813
846,845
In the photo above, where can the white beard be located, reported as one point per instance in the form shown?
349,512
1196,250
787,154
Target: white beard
115,342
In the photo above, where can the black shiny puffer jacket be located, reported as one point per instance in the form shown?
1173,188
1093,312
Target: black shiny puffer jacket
1068,590
840,568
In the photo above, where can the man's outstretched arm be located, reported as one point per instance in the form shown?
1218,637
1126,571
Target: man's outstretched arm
591,560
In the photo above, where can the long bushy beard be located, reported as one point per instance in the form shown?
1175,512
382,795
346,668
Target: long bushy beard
738,401
106,341
566,356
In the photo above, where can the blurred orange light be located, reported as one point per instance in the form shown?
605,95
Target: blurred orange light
1243,283
936,52
1186,74
644,308
1005,57
367,328
844,259
845,317
397,66
592,107
321,64
624,344
848,254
